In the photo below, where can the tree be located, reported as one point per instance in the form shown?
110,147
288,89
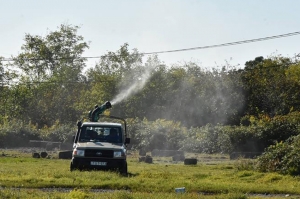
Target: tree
111,75
51,68
7,75
268,89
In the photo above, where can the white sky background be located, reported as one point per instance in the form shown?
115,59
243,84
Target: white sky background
159,25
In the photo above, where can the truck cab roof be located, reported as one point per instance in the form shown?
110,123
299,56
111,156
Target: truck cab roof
102,124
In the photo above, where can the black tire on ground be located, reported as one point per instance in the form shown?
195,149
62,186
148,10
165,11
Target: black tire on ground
44,154
148,159
65,155
142,159
190,161
36,155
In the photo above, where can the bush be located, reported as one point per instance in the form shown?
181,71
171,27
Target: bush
159,134
245,164
282,157
17,134
207,139
253,137
59,132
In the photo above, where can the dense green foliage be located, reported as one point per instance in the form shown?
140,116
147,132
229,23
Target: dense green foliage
47,88
50,83
282,157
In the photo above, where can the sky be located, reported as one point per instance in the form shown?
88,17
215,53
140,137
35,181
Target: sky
160,25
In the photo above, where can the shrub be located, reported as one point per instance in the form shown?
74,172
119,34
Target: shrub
244,138
245,164
283,157
159,134
207,139
15,133
59,132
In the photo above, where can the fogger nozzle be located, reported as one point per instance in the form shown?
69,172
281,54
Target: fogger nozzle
94,114
107,104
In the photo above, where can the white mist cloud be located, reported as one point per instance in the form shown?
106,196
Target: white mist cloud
135,87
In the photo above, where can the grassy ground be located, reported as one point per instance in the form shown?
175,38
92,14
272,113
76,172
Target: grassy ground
215,176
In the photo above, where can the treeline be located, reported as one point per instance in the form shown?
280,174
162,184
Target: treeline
48,87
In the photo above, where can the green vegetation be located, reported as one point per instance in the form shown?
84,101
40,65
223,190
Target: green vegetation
49,83
256,109
214,176
282,157
163,134
86,194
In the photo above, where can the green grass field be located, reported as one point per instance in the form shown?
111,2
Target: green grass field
215,176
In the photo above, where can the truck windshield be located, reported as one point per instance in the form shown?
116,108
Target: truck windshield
100,134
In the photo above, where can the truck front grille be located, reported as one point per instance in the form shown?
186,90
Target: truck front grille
99,153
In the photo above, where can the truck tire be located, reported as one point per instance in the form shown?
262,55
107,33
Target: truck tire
72,167
124,170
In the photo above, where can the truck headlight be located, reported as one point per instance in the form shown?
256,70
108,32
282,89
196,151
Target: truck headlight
78,152
117,154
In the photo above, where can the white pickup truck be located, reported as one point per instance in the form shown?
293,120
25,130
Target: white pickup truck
101,146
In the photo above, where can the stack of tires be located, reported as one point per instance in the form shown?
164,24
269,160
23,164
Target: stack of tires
40,155
144,157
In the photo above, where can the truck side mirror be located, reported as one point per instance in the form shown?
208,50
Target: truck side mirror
73,138
127,140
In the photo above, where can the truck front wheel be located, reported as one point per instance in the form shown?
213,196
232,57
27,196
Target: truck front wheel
123,170
72,167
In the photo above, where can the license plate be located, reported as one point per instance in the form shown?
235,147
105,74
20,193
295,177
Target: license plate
98,163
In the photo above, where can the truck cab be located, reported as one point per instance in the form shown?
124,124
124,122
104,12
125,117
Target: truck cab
100,146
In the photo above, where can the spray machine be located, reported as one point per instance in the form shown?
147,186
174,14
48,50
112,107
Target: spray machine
94,114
